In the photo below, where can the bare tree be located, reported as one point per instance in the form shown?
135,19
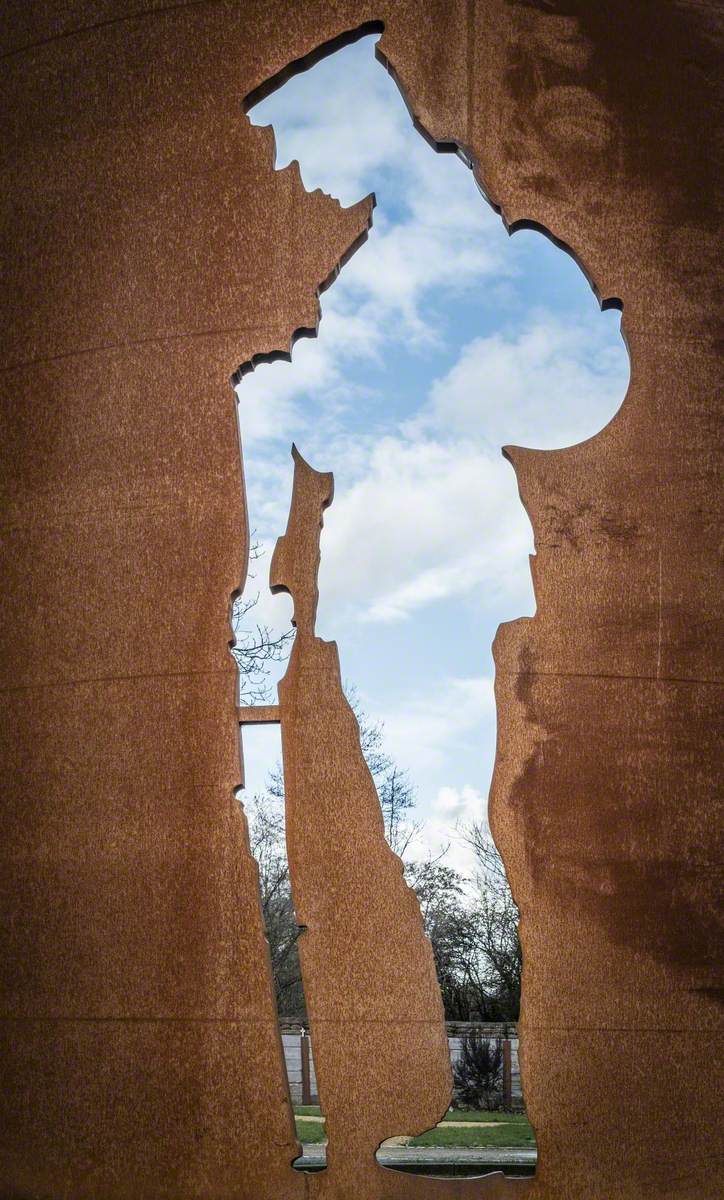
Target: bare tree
394,788
255,647
496,918
474,933
441,892
265,814
474,936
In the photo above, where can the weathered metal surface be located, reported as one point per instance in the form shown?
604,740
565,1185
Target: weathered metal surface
365,958
579,120
149,249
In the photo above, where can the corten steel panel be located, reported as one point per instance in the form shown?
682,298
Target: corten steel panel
364,954
149,249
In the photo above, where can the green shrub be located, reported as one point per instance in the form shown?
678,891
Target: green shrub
478,1072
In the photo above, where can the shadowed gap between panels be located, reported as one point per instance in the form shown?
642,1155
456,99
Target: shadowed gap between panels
471,922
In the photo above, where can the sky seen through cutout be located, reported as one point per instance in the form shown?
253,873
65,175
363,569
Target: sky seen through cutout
441,341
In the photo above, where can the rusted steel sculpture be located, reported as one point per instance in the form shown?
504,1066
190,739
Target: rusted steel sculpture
149,248
363,940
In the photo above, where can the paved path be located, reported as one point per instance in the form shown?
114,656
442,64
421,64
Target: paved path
488,1157
443,1125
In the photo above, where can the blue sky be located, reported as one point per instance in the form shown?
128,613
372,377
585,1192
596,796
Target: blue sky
441,341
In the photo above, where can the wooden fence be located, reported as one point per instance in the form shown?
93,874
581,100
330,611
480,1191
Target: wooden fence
303,1080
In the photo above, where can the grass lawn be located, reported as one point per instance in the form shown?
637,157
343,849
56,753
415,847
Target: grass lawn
505,1129
518,1133
310,1131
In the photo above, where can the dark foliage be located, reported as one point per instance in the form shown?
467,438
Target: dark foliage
478,1073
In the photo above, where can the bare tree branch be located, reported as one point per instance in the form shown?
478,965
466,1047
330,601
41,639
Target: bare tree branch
255,647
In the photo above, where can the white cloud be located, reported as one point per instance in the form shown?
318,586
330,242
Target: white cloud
459,806
432,512
426,509
547,385
406,261
433,237
422,729
268,407
450,813
354,131
427,521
